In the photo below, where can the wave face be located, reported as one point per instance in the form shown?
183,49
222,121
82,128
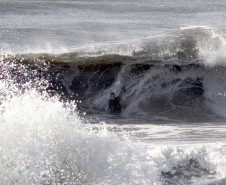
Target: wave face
179,76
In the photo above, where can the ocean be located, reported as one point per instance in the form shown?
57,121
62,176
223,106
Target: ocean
61,59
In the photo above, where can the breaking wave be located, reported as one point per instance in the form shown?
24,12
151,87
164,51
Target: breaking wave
45,140
180,74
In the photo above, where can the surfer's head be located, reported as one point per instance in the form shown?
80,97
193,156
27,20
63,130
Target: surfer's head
112,96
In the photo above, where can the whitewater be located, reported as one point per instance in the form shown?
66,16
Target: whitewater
59,62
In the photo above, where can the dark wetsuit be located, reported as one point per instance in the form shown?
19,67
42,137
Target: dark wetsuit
115,105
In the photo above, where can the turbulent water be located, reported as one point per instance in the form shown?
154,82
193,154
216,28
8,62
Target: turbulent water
60,60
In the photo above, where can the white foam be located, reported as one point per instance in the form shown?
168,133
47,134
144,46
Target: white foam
43,140
211,46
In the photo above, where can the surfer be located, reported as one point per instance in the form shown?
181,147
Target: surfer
115,104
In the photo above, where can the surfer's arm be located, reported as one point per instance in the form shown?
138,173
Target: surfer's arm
120,95
122,91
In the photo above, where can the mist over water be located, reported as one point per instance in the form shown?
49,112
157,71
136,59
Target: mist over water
60,60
